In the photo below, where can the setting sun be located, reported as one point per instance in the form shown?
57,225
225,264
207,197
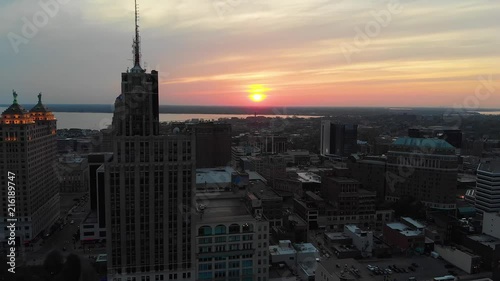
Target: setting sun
257,97
257,92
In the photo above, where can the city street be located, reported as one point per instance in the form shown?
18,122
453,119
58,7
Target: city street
61,238
316,238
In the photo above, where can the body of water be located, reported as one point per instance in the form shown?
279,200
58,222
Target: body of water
97,121
489,112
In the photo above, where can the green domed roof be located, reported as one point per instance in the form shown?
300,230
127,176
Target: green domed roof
39,107
15,108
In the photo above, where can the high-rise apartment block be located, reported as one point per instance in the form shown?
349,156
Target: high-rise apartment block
28,149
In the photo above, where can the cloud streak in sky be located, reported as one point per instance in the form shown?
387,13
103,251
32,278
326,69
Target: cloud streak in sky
212,50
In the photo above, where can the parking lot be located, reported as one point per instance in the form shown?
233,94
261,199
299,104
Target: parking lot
426,269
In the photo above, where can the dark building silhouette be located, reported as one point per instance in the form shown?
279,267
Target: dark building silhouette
93,226
213,144
370,171
149,187
347,197
270,144
452,136
338,139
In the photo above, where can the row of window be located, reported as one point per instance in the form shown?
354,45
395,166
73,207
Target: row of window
222,229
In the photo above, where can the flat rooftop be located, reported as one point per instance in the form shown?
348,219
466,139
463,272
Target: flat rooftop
285,247
215,175
305,248
337,236
490,166
262,191
346,269
486,240
277,250
404,229
353,228
223,207
413,222
308,177
254,176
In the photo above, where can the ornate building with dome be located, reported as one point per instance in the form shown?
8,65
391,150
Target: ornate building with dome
28,148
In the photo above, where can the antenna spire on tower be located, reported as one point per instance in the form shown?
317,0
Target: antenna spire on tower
137,41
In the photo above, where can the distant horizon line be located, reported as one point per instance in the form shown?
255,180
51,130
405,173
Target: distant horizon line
270,107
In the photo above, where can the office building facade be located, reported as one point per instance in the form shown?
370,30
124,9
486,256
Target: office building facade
338,139
230,241
28,149
422,169
213,144
149,185
487,195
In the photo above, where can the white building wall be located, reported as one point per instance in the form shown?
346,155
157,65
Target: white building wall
491,224
361,242
456,257
322,274
487,195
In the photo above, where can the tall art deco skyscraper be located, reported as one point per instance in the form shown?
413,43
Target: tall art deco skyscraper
149,186
28,148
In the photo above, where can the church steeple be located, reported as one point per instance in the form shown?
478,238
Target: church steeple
137,43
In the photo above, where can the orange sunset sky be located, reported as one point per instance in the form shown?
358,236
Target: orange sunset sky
287,52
